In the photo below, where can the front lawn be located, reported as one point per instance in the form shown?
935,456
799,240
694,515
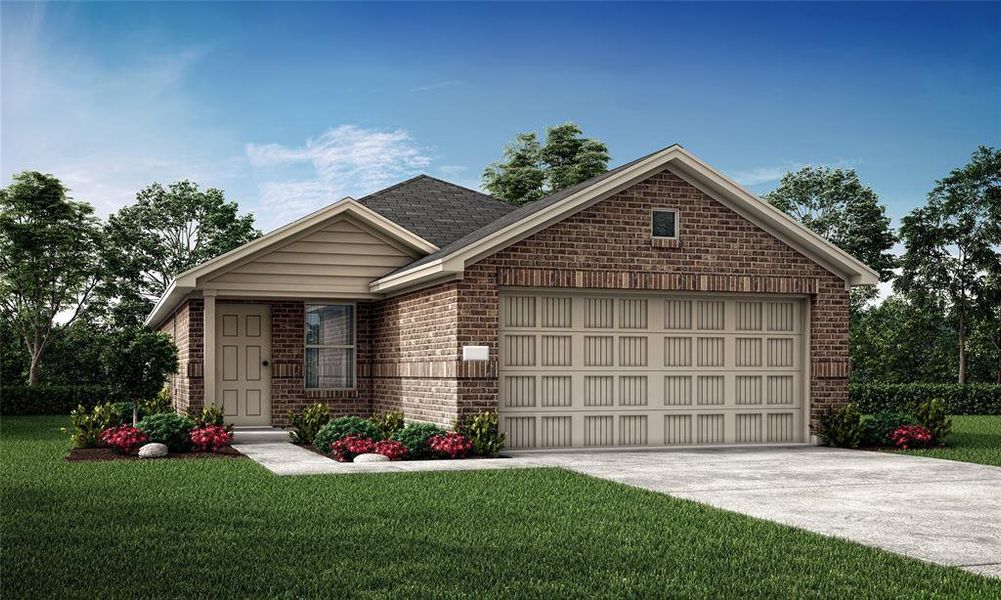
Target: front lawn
229,528
975,439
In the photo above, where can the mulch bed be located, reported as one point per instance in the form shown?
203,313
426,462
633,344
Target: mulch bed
103,454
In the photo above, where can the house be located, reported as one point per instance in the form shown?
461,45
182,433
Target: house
656,304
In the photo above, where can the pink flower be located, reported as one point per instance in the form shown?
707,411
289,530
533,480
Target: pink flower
906,437
124,439
210,438
450,445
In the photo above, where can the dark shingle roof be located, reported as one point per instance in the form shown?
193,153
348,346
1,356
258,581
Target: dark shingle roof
438,211
518,214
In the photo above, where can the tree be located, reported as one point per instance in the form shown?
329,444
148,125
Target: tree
836,205
137,361
951,244
530,171
167,231
49,260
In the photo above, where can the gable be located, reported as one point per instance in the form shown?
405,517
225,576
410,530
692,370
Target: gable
451,261
339,258
614,235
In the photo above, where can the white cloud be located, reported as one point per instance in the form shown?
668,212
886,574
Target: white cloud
345,160
762,175
452,170
106,129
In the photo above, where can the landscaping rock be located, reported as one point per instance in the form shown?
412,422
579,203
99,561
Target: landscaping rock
371,458
153,450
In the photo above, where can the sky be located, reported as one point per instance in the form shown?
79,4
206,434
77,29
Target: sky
288,107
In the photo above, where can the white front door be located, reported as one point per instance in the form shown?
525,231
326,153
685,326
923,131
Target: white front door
243,355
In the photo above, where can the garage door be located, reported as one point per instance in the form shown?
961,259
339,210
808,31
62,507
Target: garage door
595,370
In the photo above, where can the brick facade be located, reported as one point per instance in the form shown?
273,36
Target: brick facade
409,346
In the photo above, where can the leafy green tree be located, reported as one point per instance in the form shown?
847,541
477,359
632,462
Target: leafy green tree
50,262
985,341
902,340
167,231
138,360
837,205
530,171
952,244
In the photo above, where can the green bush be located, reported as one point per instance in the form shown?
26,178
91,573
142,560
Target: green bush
211,414
390,422
307,424
931,414
876,428
338,428
86,424
162,403
171,429
53,399
483,431
415,437
841,426
965,399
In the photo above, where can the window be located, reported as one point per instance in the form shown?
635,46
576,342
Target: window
665,223
330,346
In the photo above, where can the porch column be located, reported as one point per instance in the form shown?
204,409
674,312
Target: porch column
208,346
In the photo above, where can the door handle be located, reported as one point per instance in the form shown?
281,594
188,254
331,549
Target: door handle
265,363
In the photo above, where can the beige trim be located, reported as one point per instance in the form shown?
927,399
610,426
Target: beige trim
681,162
193,278
208,347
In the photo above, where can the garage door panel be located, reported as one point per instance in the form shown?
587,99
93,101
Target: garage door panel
580,370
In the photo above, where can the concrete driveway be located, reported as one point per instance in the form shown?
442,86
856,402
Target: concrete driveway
941,511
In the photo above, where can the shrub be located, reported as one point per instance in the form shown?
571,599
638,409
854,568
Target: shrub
390,422
53,399
161,403
124,438
171,429
959,399
210,438
931,415
344,426
483,432
87,425
416,437
350,446
391,449
841,426
211,414
876,429
450,445
911,436
306,424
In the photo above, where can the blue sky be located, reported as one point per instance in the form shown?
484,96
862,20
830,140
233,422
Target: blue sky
290,106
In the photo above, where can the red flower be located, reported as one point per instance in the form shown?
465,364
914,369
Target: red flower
124,439
350,446
391,448
210,438
911,436
450,445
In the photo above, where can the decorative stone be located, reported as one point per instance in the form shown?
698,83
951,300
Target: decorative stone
153,450
362,458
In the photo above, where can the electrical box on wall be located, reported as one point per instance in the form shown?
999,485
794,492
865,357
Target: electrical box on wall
475,353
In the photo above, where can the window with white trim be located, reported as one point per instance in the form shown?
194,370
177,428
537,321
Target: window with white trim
664,223
330,346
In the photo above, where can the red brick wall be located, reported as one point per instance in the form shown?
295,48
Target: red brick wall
185,329
608,245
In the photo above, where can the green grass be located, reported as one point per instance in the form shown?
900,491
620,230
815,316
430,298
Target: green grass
228,528
975,439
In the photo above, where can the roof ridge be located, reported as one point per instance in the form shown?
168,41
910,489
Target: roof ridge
464,188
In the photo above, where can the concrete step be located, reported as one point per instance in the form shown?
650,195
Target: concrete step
259,435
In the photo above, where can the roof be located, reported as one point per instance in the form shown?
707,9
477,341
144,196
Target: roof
519,213
451,260
438,211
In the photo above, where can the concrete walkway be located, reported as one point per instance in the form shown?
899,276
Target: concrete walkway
936,510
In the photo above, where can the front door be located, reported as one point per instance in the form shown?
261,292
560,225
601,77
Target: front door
243,355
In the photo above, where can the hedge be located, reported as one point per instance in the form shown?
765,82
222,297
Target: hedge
960,399
52,399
